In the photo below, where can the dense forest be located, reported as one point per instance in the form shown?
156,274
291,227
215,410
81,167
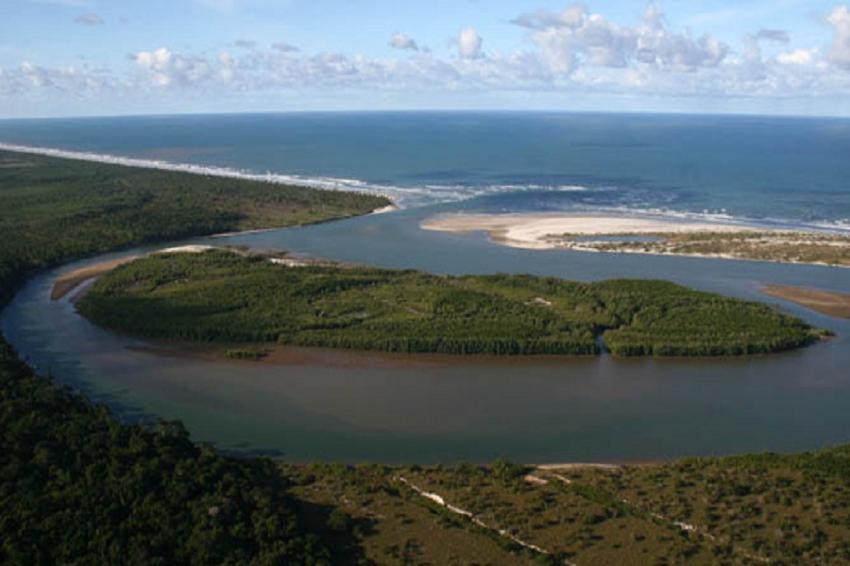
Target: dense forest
79,487
76,486
52,210
222,296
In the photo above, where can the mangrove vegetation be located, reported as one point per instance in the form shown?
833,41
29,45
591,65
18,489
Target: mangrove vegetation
222,296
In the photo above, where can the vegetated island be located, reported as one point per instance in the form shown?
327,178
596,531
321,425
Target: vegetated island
138,494
226,297
652,235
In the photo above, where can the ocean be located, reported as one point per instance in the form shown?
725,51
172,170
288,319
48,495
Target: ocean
787,171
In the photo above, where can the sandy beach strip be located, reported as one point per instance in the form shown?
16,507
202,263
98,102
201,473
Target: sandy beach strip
67,282
829,303
535,231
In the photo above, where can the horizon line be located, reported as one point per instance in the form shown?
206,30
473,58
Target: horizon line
430,111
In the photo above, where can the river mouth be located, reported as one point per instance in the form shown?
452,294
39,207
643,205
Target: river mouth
365,407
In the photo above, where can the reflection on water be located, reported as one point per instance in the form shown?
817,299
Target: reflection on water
343,405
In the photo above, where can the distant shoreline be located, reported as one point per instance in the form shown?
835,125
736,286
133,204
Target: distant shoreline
324,183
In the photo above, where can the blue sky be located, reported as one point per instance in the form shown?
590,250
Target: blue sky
95,57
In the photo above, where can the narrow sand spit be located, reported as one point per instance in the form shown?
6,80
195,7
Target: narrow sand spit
825,302
535,231
67,282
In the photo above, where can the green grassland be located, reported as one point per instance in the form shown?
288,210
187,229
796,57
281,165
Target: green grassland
220,296
79,487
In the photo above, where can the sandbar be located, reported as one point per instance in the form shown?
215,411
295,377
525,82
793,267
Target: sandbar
535,231
67,282
825,302
653,235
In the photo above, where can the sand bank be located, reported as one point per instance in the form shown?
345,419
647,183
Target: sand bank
654,236
825,302
537,231
67,282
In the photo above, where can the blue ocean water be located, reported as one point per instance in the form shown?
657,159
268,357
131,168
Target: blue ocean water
790,170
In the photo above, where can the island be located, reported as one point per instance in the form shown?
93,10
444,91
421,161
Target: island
649,234
225,296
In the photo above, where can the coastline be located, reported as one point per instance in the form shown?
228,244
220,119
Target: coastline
324,183
552,231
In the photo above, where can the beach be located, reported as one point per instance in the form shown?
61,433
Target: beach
67,282
656,235
535,231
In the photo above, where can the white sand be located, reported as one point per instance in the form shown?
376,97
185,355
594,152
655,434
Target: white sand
190,249
535,231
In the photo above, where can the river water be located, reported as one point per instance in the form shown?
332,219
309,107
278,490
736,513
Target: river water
367,407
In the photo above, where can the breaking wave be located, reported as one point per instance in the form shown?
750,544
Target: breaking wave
402,196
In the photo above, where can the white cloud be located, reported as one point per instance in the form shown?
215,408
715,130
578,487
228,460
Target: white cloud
572,52
575,37
839,52
169,69
798,57
90,19
469,44
754,42
402,41
245,44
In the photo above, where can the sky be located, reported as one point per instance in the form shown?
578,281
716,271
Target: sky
107,57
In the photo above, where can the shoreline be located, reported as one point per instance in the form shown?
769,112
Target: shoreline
323,183
68,282
575,232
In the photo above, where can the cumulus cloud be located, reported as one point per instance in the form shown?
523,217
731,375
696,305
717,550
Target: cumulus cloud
798,57
754,41
778,35
90,19
839,52
402,41
284,47
169,69
469,44
569,51
576,37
